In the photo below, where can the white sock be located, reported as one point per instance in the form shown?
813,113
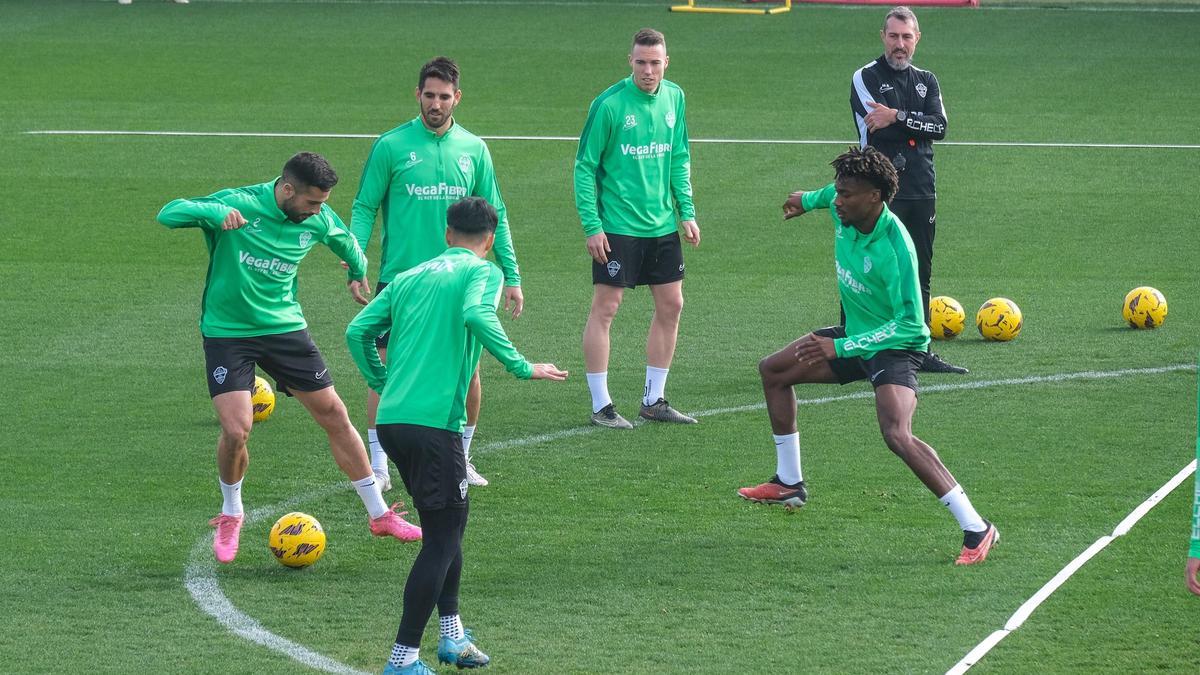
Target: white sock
379,458
968,519
656,383
451,627
372,498
468,434
598,384
787,458
233,498
403,655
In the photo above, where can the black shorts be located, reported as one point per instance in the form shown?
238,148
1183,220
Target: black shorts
291,358
431,463
890,366
640,261
381,340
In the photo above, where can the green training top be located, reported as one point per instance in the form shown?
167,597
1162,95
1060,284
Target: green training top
1194,550
633,168
250,289
877,281
414,175
441,314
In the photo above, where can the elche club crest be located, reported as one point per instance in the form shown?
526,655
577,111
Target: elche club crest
866,264
670,119
613,268
220,373
922,89
305,238
464,163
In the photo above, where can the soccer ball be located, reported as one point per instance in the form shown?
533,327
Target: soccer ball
297,540
999,319
1145,307
946,318
262,397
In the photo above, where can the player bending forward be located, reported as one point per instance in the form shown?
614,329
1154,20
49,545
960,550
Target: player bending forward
441,314
256,237
884,341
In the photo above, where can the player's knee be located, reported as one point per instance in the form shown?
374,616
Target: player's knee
764,369
604,310
331,413
669,308
236,432
898,438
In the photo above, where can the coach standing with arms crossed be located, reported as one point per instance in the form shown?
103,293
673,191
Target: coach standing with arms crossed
898,110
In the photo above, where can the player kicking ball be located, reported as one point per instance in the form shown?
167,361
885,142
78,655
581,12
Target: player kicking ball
256,237
884,341
441,315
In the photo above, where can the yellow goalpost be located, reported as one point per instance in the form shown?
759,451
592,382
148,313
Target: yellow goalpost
691,7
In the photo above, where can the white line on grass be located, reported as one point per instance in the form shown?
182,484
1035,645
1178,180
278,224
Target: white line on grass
1014,622
575,139
201,581
652,4
201,575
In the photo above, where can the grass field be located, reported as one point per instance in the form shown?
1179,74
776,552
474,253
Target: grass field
596,552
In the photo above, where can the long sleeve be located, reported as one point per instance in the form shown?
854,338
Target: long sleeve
929,123
818,199
345,246
592,143
479,313
681,166
486,187
205,212
371,190
374,320
900,331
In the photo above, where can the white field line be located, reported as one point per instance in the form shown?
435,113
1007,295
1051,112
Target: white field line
1014,622
575,139
201,581
201,574
652,4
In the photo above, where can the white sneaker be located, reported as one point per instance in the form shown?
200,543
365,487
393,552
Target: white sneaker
124,2
473,477
384,479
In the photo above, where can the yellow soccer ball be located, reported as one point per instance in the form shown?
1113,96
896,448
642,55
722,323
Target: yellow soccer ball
297,540
262,397
999,319
1145,307
946,318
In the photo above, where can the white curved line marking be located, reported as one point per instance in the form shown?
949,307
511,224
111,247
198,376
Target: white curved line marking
201,575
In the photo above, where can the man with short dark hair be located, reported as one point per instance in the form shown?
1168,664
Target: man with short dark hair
883,341
256,237
441,315
898,110
414,172
633,191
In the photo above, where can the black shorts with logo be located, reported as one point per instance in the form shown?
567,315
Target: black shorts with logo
291,358
890,366
640,261
431,463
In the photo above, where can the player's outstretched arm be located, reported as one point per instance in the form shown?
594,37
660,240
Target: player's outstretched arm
547,371
793,207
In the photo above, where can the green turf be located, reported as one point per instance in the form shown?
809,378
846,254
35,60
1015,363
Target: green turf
601,552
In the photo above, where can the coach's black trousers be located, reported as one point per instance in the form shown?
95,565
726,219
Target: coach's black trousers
435,574
920,219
